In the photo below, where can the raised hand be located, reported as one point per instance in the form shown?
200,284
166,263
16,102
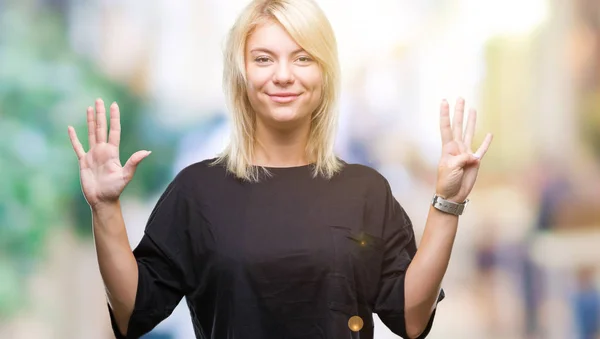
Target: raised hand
103,179
458,166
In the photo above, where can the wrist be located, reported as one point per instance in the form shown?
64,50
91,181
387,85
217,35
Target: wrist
454,207
102,207
442,214
452,198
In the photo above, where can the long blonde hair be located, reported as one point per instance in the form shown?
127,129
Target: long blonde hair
306,23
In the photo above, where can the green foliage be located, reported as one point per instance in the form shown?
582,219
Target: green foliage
44,86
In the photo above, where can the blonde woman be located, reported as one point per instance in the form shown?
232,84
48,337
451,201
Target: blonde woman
277,237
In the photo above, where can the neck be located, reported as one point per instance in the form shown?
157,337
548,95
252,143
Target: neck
281,147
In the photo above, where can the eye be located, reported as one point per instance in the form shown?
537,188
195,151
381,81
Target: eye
262,59
305,59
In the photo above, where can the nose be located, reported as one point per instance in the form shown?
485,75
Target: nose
283,74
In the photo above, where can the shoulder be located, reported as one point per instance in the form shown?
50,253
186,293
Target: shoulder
364,174
200,169
366,181
200,175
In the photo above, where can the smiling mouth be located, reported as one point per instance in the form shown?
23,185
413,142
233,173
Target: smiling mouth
284,98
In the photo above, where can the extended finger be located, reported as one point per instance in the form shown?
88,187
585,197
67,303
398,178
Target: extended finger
470,129
445,128
100,121
77,147
133,162
484,146
114,135
91,122
457,119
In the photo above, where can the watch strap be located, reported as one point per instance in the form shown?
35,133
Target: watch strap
448,206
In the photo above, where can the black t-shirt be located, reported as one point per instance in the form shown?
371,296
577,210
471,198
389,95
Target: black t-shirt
290,257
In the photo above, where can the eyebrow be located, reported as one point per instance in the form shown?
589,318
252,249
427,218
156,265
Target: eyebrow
266,50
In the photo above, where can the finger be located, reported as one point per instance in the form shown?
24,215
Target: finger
100,121
470,130
133,162
484,146
114,135
457,119
462,160
445,128
77,147
91,122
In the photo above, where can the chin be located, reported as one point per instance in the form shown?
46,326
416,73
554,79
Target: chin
286,117
284,114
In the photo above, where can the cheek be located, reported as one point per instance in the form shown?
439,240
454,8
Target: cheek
253,88
316,82
251,92
252,84
257,77
317,87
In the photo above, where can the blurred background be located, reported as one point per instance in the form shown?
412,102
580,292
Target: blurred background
526,261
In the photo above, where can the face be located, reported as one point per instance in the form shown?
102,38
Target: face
284,81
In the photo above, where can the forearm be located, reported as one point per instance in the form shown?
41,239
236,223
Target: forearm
426,271
118,266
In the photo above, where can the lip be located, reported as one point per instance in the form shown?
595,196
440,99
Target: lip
283,97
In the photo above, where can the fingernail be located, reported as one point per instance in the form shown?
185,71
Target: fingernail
476,156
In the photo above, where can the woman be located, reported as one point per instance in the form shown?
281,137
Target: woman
276,238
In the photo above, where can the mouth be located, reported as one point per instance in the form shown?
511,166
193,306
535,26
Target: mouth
283,98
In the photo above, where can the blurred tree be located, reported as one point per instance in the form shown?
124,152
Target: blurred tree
45,86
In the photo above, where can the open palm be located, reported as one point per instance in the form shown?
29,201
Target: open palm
458,166
103,179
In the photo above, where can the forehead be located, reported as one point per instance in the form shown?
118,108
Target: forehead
272,36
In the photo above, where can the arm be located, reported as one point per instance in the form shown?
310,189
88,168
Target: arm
457,172
102,181
118,266
426,271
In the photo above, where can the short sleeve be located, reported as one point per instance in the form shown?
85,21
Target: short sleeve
164,257
399,250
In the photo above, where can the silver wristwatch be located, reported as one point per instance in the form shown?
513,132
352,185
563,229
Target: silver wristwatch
448,206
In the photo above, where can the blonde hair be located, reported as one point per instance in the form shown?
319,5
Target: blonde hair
306,23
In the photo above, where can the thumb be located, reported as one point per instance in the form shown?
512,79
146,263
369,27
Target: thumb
133,162
462,160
